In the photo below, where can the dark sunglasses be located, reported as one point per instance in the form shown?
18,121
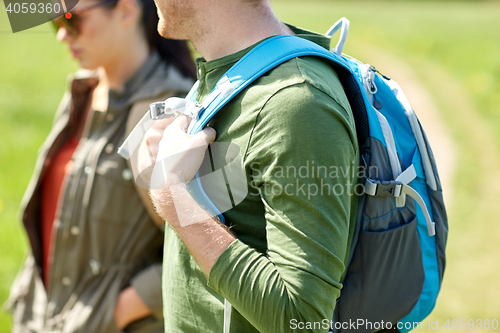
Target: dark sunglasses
71,20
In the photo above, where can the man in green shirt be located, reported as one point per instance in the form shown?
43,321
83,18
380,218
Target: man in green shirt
281,257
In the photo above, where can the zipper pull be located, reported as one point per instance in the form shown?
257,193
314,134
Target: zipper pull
370,79
377,71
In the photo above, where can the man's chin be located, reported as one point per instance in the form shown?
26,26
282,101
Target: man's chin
163,29
167,31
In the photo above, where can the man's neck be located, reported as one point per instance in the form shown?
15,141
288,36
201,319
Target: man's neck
237,29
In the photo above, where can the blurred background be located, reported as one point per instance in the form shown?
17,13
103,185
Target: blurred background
445,55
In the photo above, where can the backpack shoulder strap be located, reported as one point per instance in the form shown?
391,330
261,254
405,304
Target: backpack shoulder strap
261,59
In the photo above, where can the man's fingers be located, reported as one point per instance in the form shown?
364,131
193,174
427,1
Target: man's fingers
208,134
155,133
161,124
181,122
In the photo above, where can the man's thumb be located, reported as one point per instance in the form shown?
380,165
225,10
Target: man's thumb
208,134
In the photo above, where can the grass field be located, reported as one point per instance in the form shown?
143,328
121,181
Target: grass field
454,47
33,70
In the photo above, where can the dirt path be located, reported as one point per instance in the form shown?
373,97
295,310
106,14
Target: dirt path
443,146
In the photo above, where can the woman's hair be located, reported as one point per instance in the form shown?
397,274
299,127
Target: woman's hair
175,52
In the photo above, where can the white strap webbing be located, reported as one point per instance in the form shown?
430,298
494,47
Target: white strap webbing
417,132
408,175
392,152
431,226
171,106
224,87
227,316
177,105
343,25
370,89
134,139
403,188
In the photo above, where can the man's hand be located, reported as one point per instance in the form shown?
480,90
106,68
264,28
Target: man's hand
179,154
129,307
179,157
143,159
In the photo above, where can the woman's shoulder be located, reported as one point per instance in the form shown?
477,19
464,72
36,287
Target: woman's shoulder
163,79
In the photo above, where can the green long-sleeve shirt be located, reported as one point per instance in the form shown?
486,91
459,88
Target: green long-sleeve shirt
296,134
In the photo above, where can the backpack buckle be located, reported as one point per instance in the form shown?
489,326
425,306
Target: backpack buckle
385,188
174,106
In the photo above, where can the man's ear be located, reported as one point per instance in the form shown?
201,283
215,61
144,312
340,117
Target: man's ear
128,11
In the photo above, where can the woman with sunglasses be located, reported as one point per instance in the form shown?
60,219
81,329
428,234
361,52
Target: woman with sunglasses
96,242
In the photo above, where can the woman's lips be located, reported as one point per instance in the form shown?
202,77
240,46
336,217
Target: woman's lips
75,53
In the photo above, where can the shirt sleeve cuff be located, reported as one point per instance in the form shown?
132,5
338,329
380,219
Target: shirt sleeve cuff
148,285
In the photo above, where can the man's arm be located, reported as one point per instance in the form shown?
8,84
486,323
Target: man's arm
204,237
307,232
205,240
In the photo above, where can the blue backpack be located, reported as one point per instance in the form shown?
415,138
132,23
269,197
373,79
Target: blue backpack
397,257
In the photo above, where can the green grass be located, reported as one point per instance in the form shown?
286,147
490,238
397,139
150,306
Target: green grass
33,70
453,46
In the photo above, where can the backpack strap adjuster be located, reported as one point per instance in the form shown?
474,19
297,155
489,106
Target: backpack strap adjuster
398,187
386,188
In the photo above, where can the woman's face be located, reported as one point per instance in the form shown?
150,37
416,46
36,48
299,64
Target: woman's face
98,40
